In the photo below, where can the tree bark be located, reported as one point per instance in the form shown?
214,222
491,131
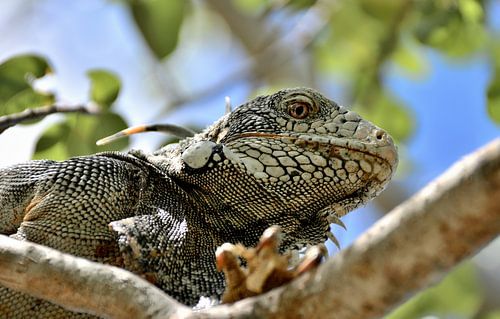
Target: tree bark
411,247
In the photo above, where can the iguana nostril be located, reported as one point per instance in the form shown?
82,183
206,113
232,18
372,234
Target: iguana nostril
379,135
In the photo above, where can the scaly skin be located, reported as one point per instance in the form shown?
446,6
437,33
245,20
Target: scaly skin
293,159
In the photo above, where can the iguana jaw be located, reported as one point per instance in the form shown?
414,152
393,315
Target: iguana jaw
378,155
376,160
385,151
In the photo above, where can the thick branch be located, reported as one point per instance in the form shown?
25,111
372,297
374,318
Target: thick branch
72,282
410,248
413,246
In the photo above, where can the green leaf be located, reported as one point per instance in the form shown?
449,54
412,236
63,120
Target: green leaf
104,87
410,60
471,11
16,76
25,99
159,22
352,40
251,6
495,314
458,295
109,124
57,152
493,95
384,10
299,4
443,22
52,143
53,135
88,129
77,135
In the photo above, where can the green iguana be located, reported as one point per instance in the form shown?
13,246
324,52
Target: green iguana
294,159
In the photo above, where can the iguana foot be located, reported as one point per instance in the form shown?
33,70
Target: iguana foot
265,267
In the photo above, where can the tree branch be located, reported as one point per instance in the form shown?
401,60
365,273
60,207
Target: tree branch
10,120
410,248
72,282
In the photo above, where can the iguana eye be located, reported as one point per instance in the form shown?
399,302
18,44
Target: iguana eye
299,106
299,110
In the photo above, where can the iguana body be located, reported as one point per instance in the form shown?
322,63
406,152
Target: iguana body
294,159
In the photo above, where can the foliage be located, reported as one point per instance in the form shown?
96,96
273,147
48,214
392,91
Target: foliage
442,299
159,22
77,134
17,76
493,93
105,87
392,34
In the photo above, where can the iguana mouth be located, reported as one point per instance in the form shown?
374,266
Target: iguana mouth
332,146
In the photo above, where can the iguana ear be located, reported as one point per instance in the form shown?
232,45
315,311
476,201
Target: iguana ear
206,154
198,154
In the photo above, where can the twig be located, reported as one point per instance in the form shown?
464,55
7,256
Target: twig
10,120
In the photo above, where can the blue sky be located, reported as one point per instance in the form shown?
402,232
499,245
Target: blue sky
450,111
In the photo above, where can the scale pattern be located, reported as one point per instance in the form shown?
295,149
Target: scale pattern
294,159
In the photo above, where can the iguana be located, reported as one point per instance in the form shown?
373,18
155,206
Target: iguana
293,158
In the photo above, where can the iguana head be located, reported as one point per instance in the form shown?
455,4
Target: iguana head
293,158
